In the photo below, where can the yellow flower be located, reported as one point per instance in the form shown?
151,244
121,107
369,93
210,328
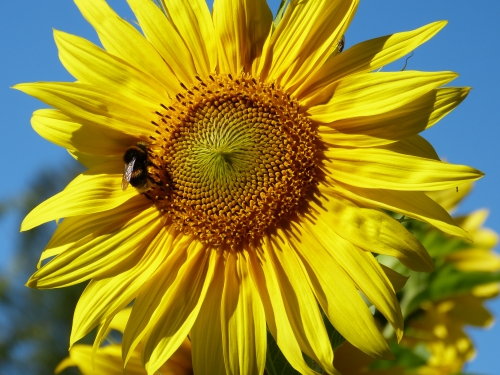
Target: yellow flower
261,159
107,360
466,275
479,255
438,329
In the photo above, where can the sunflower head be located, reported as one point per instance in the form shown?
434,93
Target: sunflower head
230,158
264,161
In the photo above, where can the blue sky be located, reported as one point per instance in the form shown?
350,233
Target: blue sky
469,135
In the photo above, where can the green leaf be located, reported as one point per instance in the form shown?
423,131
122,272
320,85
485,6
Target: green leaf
448,282
405,357
440,245
276,363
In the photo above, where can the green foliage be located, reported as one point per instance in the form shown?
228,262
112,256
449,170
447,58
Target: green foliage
444,283
405,357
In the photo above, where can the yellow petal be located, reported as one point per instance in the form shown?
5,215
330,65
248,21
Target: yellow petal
119,321
206,334
384,169
96,190
400,123
193,21
474,220
90,64
338,296
490,290
414,204
414,145
369,94
124,41
306,36
92,160
241,28
162,34
276,314
93,104
154,289
83,136
105,253
104,298
470,310
64,364
301,304
475,261
73,229
368,56
182,256
485,238
370,230
361,266
450,198
243,321
107,362
397,280
180,360
179,307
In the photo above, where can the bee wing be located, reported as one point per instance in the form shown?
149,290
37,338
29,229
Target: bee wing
127,174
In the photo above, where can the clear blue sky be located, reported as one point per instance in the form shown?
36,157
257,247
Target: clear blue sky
469,45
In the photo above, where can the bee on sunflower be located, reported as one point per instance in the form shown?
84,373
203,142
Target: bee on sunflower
265,160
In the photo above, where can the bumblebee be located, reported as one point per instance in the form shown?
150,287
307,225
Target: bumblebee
136,167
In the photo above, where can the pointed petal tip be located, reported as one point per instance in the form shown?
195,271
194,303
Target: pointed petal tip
24,227
386,355
441,23
26,224
467,236
17,86
429,266
32,283
399,334
57,33
426,264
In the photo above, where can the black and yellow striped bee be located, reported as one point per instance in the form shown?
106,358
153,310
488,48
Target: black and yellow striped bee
136,167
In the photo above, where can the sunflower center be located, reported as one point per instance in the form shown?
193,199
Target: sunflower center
230,158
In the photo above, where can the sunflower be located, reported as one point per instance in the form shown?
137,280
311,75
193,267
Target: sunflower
108,359
439,307
478,256
259,160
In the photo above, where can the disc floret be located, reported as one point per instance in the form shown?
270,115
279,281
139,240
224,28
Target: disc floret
230,158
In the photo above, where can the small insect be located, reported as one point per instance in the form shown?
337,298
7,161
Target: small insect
340,46
136,167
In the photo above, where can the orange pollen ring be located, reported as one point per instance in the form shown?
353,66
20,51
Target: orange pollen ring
230,158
